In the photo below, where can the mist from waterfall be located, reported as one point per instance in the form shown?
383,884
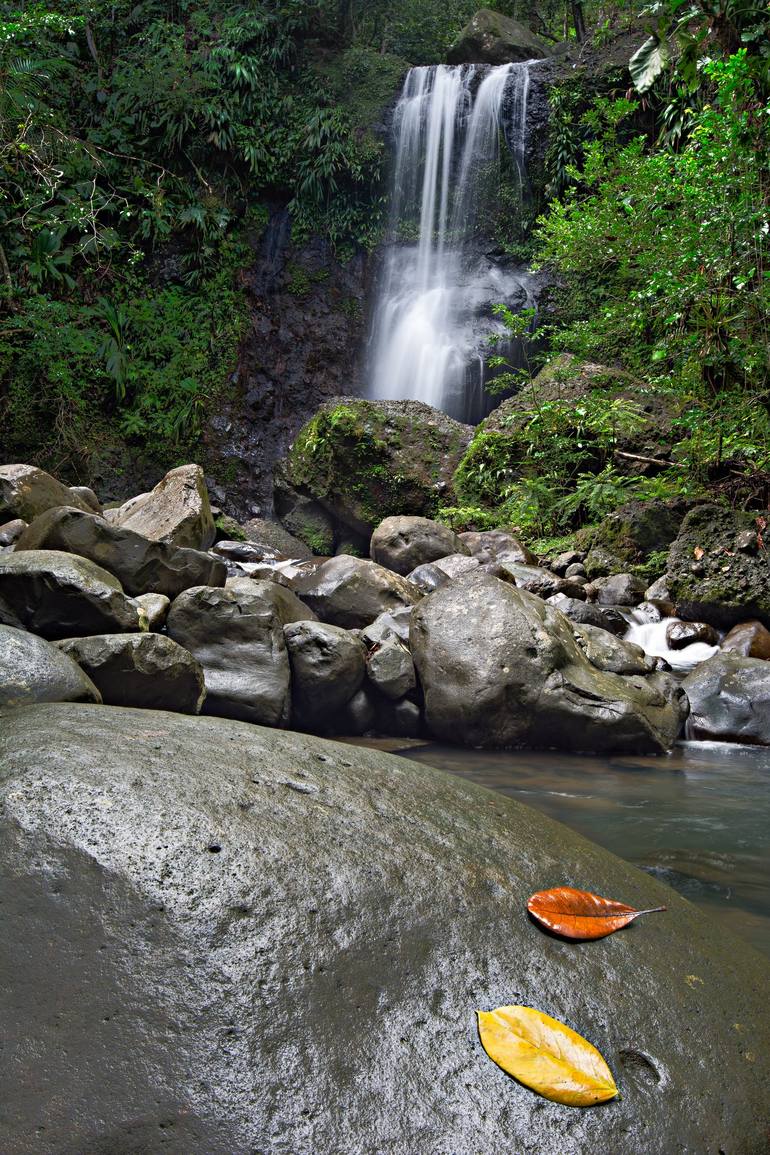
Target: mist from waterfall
433,319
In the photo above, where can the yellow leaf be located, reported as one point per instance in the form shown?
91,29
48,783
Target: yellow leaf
546,1056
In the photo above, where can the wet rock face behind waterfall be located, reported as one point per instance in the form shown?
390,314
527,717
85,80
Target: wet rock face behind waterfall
225,939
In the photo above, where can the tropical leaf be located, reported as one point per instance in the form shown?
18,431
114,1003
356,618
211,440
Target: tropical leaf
648,62
546,1056
579,914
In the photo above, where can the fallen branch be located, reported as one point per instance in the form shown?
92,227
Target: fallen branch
649,460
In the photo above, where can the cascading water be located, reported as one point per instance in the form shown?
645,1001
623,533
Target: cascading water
433,318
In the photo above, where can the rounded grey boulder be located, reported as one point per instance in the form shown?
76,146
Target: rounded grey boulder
144,670
501,668
59,595
351,591
327,668
33,670
26,492
730,700
224,939
176,511
403,543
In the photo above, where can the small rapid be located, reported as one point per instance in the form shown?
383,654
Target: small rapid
652,637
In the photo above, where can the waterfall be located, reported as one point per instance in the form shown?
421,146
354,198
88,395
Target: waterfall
432,319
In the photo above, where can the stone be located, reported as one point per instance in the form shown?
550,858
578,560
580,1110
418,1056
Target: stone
403,543
351,592
658,592
577,569
328,665
142,670
393,624
489,544
87,496
709,579
199,914
563,561
156,607
586,613
682,634
140,564
729,700
599,563
272,535
358,716
176,511
501,668
236,634
748,640
428,577
456,564
242,551
538,580
12,531
390,669
26,492
637,529
492,38
59,595
401,719
610,654
623,589
367,460
33,670
304,518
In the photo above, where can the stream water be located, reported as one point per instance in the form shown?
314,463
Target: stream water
699,820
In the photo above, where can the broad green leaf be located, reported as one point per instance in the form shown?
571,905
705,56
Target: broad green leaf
546,1056
648,62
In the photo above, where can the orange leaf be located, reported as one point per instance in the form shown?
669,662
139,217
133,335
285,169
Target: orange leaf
579,914
698,552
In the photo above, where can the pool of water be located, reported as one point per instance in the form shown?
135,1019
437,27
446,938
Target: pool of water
698,819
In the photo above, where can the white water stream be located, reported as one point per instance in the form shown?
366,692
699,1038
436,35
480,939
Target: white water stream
433,318
651,636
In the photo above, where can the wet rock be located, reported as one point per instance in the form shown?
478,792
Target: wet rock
659,592
57,595
351,592
730,700
176,511
490,544
576,569
358,716
272,535
304,518
564,561
587,613
456,564
401,719
156,607
391,670
26,492
393,624
236,634
428,578
328,665
623,589
143,670
601,563
403,543
87,496
11,531
140,564
242,551
611,654
709,579
365,460
32,670
537,580
260,897
748,640
682,634
492,38
635,530
501,668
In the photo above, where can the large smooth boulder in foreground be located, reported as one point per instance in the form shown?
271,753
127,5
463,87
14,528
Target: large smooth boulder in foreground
351,591
719,568
491,38
403,543
328,665
365,460
225,939
730,700
236,634
33,670
60,595
141,565
176,511
26,492
144,670
501,668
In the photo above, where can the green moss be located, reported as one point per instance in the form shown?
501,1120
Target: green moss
489,467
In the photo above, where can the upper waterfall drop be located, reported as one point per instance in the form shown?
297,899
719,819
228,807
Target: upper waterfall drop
432,318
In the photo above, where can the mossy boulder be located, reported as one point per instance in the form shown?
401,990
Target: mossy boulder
637,529
497,456
719,567
365,460
492,38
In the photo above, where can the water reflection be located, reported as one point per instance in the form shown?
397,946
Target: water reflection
698,820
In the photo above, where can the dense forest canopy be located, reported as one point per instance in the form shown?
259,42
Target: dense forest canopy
143,145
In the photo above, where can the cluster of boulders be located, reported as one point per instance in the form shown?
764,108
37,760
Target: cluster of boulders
466,637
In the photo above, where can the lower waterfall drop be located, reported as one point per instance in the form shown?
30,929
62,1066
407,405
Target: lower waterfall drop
432,319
